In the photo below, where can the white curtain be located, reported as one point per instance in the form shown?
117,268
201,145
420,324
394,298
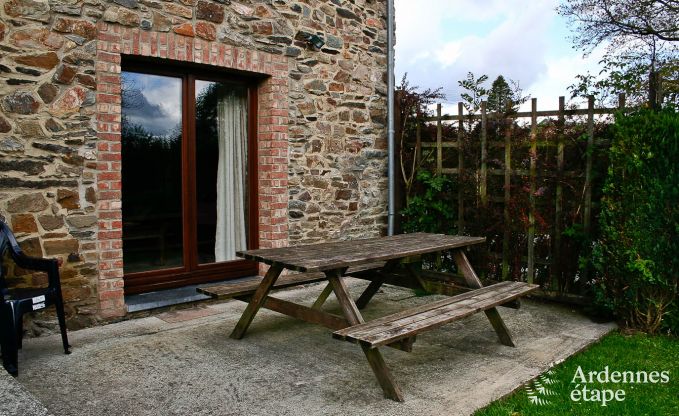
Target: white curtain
231,175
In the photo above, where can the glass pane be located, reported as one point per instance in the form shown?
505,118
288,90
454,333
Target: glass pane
221,170
151,172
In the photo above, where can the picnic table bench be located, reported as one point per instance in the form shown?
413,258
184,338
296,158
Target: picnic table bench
379,260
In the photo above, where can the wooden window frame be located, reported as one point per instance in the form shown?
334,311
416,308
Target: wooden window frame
193,272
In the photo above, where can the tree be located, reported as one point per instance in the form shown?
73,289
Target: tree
500,95
476,91
598,21
641,45
503,98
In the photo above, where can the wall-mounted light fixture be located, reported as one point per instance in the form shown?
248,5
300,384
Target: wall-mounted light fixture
314,40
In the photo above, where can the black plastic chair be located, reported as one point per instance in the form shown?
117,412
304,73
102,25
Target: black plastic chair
15,302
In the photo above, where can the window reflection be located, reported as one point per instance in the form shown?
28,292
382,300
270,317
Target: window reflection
151,172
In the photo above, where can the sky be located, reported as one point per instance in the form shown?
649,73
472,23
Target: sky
439,41
155,101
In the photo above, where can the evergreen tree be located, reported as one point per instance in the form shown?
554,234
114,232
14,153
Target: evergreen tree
500,96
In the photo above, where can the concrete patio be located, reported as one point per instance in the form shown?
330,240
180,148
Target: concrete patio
184,363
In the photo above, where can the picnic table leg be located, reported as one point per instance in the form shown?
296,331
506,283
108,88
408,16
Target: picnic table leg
376,284
389,387
492,314
369,292
323,296
257,301
416,275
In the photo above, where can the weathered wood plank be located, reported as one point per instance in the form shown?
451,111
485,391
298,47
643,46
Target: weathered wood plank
379,322
460,167
389,386
507,196
398,320
587,213
499,326
408,323
328,256
369,292
439,139
232,290
558,220
531,197
256,301
327,290
377,279
315,316
247,287
483,180
440,317
441,283
302,312
456,279
493,315
523,114
587,210
343,298
445,145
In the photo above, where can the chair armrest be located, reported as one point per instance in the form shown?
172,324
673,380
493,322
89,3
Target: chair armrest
34,263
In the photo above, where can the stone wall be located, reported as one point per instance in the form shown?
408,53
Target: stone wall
322,132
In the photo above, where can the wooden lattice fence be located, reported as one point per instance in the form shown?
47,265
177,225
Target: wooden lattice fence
528,181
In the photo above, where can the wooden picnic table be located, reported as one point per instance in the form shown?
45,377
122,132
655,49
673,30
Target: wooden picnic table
379,260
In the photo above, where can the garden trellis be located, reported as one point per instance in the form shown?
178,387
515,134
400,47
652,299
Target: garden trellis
523,179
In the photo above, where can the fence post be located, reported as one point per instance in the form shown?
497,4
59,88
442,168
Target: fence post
484,155
507,196
418,143
556,258
587,211
460,171
531,197
439,138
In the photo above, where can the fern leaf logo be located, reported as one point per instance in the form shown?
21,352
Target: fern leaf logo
534,398
537,391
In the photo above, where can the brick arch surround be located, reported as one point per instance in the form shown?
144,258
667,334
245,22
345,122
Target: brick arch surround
272,138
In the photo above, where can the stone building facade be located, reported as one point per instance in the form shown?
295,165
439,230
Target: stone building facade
321,115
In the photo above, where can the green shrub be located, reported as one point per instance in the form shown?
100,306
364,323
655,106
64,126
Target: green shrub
431,210
637,253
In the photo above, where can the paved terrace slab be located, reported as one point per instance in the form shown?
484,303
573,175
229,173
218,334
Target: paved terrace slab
184,363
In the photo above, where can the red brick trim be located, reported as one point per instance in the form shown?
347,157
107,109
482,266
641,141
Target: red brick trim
272,138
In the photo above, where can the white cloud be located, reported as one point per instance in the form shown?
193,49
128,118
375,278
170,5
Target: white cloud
439,41
449,53
166,93
560,74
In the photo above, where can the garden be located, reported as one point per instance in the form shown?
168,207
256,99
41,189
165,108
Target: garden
581,199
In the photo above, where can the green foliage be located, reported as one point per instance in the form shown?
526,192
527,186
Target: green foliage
432,209
640,41
636,254
503,97
476,91
639,352
500,95
413,105
629,73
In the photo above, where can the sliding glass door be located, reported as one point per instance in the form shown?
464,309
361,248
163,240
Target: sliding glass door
186,178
